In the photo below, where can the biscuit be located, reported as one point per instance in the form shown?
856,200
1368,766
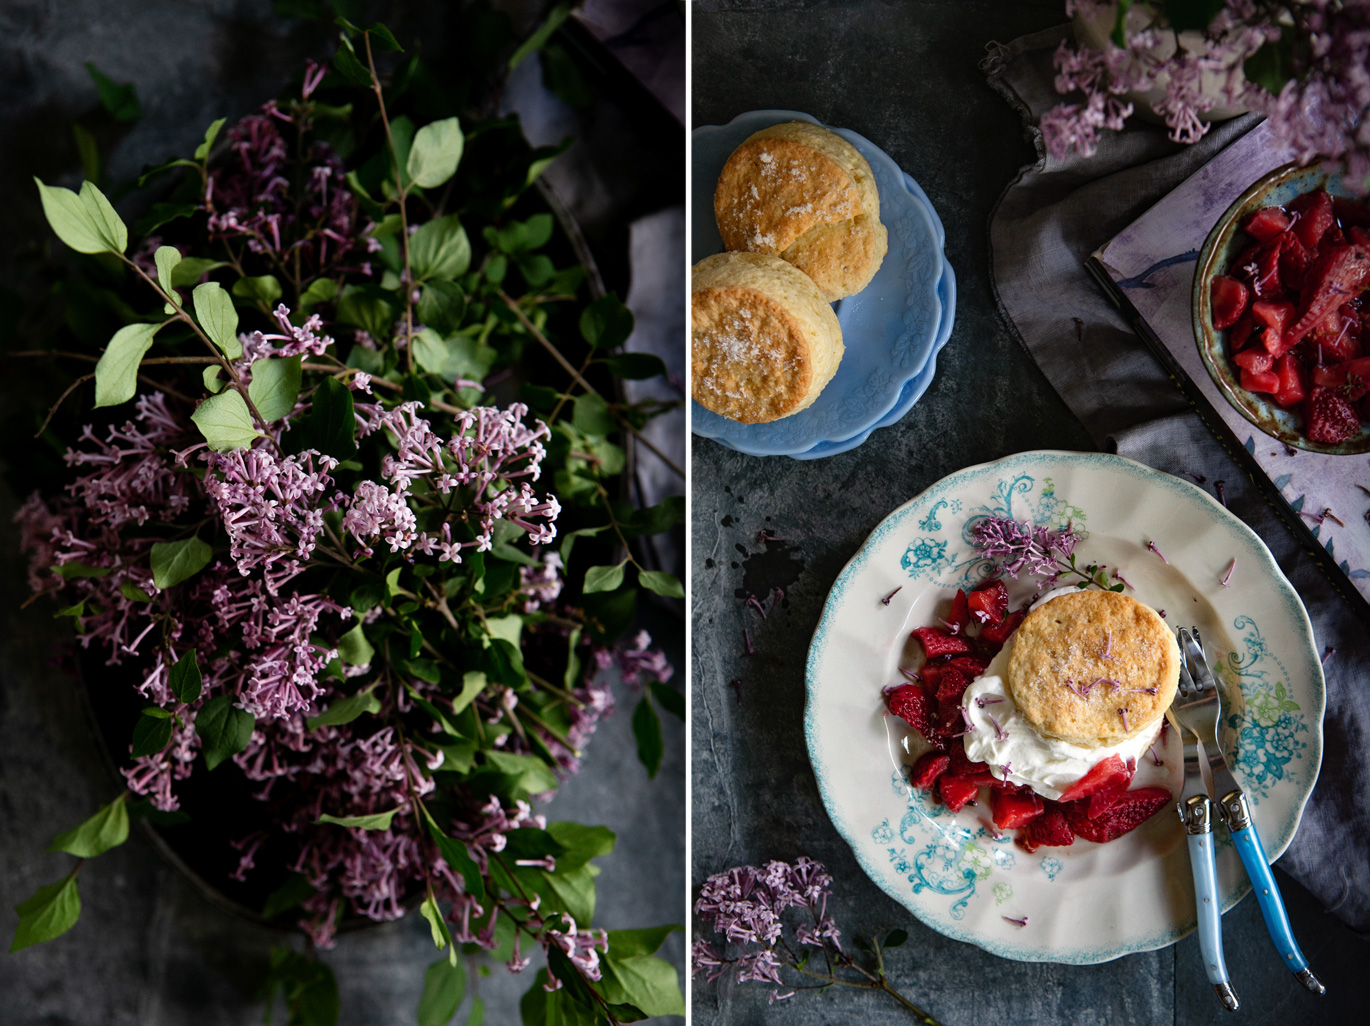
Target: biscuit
763,343
1093,668
802,193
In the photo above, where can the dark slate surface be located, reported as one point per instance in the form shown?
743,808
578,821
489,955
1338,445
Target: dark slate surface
149,950
905,76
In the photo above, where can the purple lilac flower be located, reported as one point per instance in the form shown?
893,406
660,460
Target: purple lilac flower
1024,547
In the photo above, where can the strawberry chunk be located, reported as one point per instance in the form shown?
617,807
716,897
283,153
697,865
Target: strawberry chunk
1336,339
969,665
1266,223
1259,381
1295,259
1315,217
911,704
1240,333
1350,379
1050,829
1293,380
1254,360
1265,283
1013,809
1102,776
930,674
951,687
1331,419
989,603
960,613
938,642
1340,273
1275,315
1129,811
956,791
998,634
927,769
962,766
1228,297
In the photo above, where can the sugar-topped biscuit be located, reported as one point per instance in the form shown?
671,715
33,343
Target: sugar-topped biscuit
803,193
1093,668
763,343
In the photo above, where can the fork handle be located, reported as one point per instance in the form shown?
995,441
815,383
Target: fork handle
1199,833
1252,853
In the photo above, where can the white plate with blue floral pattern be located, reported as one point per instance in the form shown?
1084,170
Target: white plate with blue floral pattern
1088,902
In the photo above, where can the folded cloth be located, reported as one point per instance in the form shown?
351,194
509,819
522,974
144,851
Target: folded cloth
1047,223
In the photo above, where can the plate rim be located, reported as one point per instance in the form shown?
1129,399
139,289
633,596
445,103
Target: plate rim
1303,629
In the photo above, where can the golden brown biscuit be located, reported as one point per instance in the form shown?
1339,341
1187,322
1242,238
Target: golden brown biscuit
1093,668
763,343
799,191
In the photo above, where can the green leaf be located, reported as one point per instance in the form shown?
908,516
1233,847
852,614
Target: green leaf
383,39
895,938
662,583
604,578
224,729
51,912
671,700
581,843
367,307
285,897
69,218
186,683
162,213
636,366
321,290
572,892
435,153
442,304
225,422
329,426
212,377
217,315
444,985
423,669
177,561
456,855
265,288
190,270
590,414
120,99
1119,33
440,249
73,570
354,649
107,223
606,323
133,593
345,710
275,386
346,64
429,351
538,39
116,375
646,981
468,358
376,821
1192,15
528,775
211,133
442,937
647,731
644,941
541,1007
166,257
151,734
472,684
77,611
1272,66
107,829
476,1017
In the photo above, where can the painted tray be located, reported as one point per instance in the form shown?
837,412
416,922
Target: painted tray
1085,903
891,329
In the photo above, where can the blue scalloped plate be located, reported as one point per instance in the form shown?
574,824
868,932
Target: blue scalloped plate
892,329
1084,903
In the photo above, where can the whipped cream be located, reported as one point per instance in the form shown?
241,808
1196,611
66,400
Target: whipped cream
1047,765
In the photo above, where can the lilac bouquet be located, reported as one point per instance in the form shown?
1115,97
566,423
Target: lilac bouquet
1301,63
322,525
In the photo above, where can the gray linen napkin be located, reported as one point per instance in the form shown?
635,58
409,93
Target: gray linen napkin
1048,222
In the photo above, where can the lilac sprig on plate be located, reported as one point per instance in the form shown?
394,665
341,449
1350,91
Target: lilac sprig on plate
1022,547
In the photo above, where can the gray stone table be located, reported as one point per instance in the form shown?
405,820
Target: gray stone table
905,75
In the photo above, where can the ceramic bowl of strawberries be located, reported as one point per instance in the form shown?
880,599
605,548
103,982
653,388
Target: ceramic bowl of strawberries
1282,310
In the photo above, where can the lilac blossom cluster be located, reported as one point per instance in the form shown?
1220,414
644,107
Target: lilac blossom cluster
746,905
1320,112
1025,547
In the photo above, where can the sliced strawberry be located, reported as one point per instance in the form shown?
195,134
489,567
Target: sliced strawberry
1254,360
1259,381
1266,223
1337,338
962,766
960,613
1350,379
931,674
1295,259
927,769
948,724
1339,274
1265,283
999,633
1013,809
989,603
1330,418
969,665
1101,776
951,687
1131,809
1049,829
1293,380
1228,297
937,642
912,705
1315,217
956,791
1275,315
1240,334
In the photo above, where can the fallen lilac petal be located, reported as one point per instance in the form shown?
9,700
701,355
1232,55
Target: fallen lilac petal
1161,613
886,600
764,537
736,685
1141,691
1000,734
1016,922
747,640
1123,714
1118,576
992,828
755,604
910,675
1155,759
952,628
1327,654
1151,546
1199,478
1107,652
982,702
1221,487
1227,577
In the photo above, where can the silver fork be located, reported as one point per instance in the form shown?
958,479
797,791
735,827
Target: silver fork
1200,710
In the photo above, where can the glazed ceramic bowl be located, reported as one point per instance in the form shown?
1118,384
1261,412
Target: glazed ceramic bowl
1227,239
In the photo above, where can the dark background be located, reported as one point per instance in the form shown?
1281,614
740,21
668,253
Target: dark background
148,949
906,76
